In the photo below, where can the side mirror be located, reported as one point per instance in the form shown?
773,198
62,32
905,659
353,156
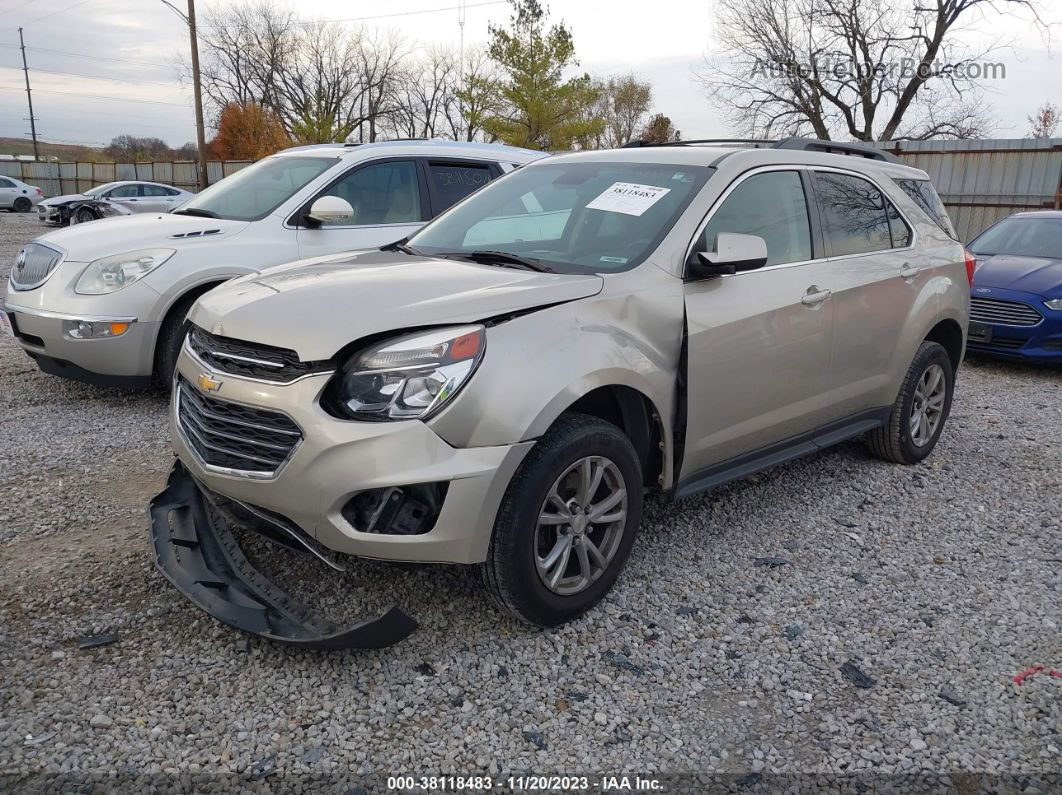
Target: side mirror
330,208
733,253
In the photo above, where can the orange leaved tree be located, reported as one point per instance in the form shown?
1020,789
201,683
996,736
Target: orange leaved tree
247,131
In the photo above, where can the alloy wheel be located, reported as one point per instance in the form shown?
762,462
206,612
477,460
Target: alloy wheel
927,407
580,525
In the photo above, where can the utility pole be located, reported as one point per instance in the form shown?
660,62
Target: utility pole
197,88
29,96
200,135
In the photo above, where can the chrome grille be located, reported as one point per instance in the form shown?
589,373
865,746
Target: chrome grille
1007,313
250,359
231,436
34,264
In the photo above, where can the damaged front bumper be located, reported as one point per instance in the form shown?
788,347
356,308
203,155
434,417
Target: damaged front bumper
197,552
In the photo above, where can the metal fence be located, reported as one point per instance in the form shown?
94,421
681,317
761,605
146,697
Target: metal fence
56,179
982,181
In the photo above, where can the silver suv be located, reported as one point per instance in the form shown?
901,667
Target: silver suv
502,388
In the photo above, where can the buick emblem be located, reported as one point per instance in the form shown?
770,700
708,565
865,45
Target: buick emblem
208,383
20,261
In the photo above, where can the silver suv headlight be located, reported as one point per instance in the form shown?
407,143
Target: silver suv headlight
108,274
409,376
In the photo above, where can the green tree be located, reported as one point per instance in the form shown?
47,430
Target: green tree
317,126
541,109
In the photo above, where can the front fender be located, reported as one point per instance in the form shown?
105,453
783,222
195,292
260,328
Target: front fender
539,364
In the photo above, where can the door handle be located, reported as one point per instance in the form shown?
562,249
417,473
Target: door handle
814,296
909,271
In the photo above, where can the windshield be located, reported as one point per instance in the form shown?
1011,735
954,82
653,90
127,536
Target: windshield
1021,237
254,192
588,217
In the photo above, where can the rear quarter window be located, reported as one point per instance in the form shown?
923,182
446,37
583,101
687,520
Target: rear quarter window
925,196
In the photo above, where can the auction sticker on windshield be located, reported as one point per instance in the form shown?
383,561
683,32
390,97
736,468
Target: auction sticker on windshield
628,198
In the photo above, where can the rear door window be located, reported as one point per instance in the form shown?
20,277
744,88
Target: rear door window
855,220
451,182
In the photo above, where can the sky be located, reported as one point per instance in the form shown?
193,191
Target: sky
101,68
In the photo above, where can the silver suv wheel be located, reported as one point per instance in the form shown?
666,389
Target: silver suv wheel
580,525
927,408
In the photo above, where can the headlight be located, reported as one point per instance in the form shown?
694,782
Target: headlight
410,376
108,274
1054,303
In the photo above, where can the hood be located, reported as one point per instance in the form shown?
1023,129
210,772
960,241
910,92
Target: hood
318,308
86,242
55,201
1038,275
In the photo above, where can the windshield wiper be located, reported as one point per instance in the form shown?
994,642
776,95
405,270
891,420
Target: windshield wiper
400,245
486,257
195,211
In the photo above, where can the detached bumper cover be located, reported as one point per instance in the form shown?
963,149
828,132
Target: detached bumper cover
197,552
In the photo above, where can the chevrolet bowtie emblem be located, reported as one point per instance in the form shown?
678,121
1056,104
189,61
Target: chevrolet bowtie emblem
208,383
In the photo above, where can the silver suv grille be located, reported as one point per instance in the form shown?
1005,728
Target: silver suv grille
1007,313
230,436
250,359
33,265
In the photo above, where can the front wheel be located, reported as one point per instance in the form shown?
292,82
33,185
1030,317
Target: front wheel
566,524
84,215
920,410
171,338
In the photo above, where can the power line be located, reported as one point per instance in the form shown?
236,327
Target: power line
101,77
101,96
53,13
16,8
91,57
404,13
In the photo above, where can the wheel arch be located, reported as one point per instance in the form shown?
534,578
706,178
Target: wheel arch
191,293
633,412
948,333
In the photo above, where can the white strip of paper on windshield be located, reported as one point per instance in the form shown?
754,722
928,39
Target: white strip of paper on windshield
628,198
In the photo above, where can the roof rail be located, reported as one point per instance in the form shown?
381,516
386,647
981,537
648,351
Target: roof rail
801,144
636,143
385,141
836,148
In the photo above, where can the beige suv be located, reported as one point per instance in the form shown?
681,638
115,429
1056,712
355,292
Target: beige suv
502,388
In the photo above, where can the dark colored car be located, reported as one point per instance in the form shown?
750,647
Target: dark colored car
1016,296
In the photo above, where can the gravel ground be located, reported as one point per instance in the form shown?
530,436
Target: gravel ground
938,582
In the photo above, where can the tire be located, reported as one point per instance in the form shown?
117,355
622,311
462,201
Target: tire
84,215
171,337
898,440
511,576
22,205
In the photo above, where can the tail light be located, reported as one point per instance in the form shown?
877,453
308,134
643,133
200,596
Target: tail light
971,265
39,191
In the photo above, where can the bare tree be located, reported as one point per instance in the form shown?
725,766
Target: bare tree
322,81
864,69
1045,121
425,93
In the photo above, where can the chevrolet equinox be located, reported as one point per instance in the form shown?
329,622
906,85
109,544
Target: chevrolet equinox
501,388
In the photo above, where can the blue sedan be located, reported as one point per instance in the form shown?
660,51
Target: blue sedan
1016,295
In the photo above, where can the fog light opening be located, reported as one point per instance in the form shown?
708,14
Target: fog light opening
396,510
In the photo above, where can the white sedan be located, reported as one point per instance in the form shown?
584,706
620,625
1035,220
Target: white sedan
17,196
113,198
